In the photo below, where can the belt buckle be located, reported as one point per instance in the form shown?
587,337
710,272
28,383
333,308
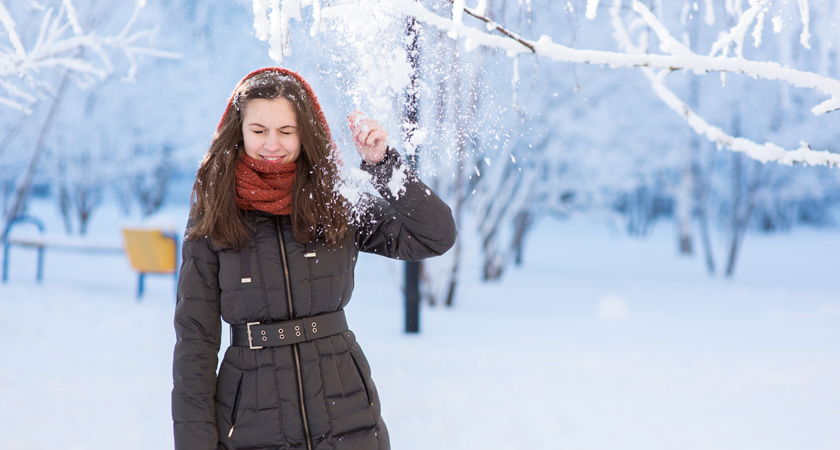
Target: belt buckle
250,339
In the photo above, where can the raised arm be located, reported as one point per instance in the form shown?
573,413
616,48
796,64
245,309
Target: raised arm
198,329
409,222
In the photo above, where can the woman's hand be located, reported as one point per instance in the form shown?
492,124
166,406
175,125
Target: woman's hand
370,138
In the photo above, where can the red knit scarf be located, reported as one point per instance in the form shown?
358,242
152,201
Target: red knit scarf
264,185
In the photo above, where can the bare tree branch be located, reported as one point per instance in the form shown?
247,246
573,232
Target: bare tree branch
59,39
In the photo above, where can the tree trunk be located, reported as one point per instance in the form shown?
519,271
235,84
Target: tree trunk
735,222
687,198
743,203
87,199
744,215
65,207
411,117
521,225
8,190
688,181
25,184
464,121
701,190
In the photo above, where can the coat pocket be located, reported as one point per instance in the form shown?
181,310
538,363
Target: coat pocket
235,408
362,377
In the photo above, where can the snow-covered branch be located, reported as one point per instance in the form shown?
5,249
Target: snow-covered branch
755,14
761,152
513,44
766,152
688,61
675,56
62,43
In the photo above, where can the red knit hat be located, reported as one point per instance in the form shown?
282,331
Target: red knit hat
303,83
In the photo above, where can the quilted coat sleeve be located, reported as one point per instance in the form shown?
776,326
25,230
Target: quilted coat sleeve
198,331
409,222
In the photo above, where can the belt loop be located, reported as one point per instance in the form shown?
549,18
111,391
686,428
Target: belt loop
245,263
309,250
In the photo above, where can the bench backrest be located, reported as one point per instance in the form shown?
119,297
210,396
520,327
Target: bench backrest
150,250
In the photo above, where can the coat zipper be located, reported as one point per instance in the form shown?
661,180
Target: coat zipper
295,349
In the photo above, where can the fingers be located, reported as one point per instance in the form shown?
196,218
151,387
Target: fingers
375,136
357,119
360,135
366,129
366,132
372,137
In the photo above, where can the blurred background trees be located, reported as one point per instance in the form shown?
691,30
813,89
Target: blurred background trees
506,140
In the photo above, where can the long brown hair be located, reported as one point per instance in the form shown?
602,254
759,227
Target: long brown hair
317,207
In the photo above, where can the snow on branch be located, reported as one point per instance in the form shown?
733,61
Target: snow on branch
271,23
805,14
761,152
513,44
681,61
766,152
753,15
681,57
62,43
676,56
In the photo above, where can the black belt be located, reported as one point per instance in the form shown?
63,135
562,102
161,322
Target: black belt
256,335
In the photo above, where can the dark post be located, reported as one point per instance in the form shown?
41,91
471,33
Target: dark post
410,123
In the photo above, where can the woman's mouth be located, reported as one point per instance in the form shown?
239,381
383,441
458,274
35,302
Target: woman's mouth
271,158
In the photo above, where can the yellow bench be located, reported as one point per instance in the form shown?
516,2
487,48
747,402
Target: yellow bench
151,250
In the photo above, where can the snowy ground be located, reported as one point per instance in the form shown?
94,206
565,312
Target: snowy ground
599,342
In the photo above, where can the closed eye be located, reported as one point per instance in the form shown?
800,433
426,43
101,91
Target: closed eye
263,131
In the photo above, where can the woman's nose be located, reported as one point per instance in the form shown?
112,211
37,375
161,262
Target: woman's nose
272,141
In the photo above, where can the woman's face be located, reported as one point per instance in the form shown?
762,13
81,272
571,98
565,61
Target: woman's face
269,129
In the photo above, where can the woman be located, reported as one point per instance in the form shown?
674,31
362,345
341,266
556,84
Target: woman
270,248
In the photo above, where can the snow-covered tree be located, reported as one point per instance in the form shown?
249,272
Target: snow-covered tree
596,106
38,64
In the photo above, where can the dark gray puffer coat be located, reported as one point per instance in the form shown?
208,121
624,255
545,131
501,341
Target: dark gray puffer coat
257,392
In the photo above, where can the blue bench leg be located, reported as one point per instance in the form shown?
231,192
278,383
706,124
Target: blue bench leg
140,286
